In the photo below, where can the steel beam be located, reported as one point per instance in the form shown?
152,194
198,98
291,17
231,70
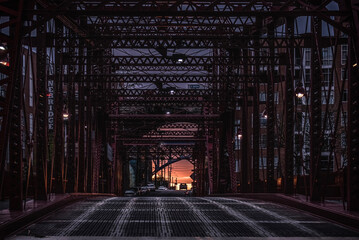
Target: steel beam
289,112
271,117
245,146
41,140
58,164
353,116
13,97
315,111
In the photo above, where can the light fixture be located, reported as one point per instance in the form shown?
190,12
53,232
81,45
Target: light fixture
65,115
355,64
168,113
178,57
299,90
2,48
172,91
264,113
239,133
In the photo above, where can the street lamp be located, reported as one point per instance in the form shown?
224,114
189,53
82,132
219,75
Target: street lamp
239,133
299,90
179,57
65,114
264,113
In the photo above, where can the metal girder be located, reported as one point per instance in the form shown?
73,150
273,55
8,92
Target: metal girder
158,134
154,95
160,102
177,67
150,143
271,119
204,42
189,27
41,153
256,186
143,77
229,29
177,117
125,11
315,112
158,140
230,150
178,132
11,101
353,117
170,24
193,42
117,61
289,114
169,162
58,164
150,78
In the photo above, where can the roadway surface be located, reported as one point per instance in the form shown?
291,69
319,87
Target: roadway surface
171,214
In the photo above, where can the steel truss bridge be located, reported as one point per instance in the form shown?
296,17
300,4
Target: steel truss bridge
164,79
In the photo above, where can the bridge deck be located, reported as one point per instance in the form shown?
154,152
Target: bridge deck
190,217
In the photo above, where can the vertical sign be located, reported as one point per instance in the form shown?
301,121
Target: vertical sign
50,104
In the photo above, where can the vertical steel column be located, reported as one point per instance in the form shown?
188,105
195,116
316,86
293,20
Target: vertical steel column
256,186
218,142
71,184
245,147
15,96
289,109
199,152
230,150
208,160
41,152
271,186
99,153
8,76
353,126
16,165
10,82
118,167
89,150
315,110
58,171
81,168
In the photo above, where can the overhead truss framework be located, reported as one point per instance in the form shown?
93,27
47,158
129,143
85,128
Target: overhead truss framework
118,79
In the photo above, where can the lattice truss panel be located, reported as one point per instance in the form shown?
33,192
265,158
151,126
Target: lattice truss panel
131,72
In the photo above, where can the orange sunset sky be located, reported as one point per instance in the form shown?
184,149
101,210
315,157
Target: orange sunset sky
182,171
